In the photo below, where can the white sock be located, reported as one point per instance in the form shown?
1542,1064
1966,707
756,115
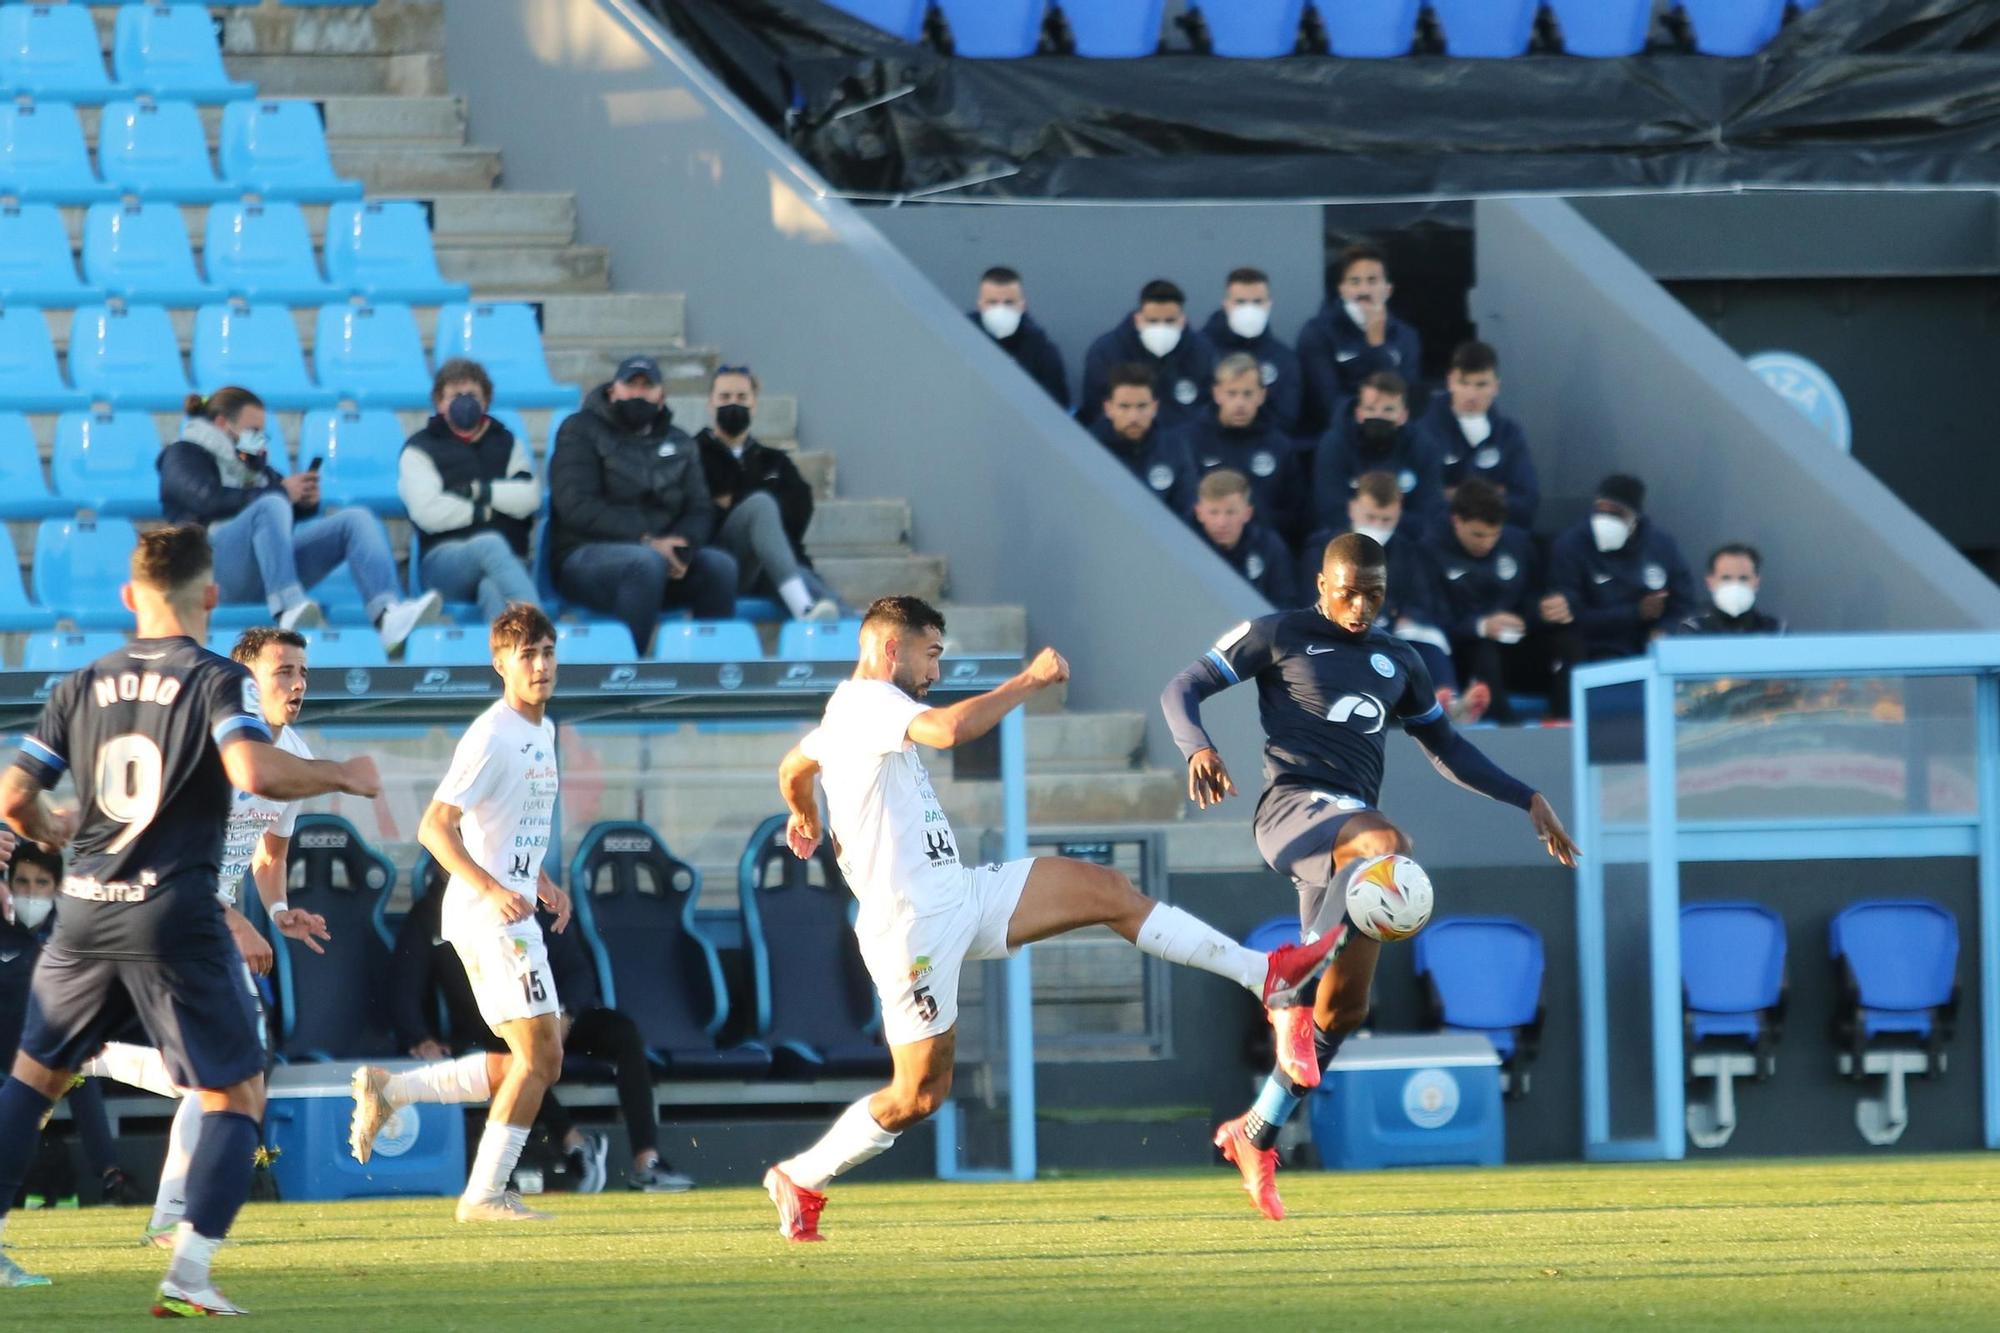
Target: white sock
170,1203
854,1139
499,1148
192,1255
135,1066
1172,934
460,1080
795,595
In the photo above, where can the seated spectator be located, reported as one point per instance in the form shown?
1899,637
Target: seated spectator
631,522
1374,436
1225,517
429,981
1002,310
470,489
1129,429
269,537
1615,583
1155,336
1345,343
1244,325
1735,572
766,505
1487,573
1237,436
1469,439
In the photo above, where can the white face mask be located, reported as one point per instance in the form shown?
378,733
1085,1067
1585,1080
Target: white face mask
1249,320
1160,339
1609,531
1733,599
1381,535
1475,429
1000,320
1355,313
30,913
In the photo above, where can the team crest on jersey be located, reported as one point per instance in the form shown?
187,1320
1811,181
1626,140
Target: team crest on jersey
1407,480
1362,710
1184,392
1268,372
1488,457
1254,566
1160,477
1656,577
1263,462
1506,567
1383,666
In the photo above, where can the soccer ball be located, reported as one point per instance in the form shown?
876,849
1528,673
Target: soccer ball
1389,897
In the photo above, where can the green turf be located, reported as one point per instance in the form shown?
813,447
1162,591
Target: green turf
1846,1243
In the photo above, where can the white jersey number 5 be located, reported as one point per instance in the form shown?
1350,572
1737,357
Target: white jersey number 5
129,770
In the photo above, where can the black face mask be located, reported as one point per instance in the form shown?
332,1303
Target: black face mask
635,413
1378,433
732,418
464,413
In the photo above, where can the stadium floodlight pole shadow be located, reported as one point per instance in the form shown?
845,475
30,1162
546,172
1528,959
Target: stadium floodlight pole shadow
1666,840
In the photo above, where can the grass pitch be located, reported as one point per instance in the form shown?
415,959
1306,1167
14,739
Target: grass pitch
1822,1244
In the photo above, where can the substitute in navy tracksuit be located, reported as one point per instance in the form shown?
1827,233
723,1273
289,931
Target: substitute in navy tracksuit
1158,337
1487,573
1225,518
1336,348
1374,436
1030,346
1159,459
1414,609
1490,447
1244,325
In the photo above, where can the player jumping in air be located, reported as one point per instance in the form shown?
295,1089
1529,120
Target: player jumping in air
923,913
1328,684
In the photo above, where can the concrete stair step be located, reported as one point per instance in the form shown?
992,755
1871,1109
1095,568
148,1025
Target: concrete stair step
413,74
662,339
985,629
857,527
349,120
460,220
861,579
687,371
817,467
413,168
495,273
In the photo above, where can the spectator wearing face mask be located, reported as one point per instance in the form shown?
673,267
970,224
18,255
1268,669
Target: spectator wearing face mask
631,518
1155,336
1735,572
1129,429
1469,439
1237,435
1374,436
1486,571
1001,309
1243,325
1353,337
766,505
470,489
1227,521
270,539
1616,582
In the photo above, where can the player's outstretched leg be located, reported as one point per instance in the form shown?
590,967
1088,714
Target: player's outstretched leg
920,1084
533,1064
218,1184
26,1099
378,1093
144,1067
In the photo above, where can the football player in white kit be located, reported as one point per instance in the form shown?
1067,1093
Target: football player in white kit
488,826
924,913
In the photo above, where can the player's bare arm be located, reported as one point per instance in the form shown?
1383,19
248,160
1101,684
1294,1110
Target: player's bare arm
440,837
1551,832
551,896
969,719
267,872
29,813
796,778
250,942
264,769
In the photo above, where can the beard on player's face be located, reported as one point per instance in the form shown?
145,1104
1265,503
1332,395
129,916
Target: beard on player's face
912,680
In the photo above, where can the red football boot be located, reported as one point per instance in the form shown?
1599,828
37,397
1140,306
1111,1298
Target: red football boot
1291,968
1297,1057
1258,1165
798,1207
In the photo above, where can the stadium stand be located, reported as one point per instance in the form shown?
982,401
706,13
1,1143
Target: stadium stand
1898,1005
263,252
332,871
1484,975
42,153
1733,992
51,51
171,51
158,149
239,343
1250,29
104,462
381,249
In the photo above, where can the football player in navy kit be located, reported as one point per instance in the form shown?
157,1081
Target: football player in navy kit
1328,685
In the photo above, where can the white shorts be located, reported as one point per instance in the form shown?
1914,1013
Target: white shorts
915,965
509,972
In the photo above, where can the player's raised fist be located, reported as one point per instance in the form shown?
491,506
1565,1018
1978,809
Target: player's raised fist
359,777
1048,668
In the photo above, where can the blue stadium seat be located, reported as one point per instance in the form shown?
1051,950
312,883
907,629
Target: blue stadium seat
706,641
358,465
36,267
79,566
372,354
343,648
898,18
1111,29
264,252
1603,27
507,340
258,345
448,645
127,356
816,1008
639,899
1899,963
66,651
17,613
1251,29
1733,27
51,51
339,595
278,150
594,643
170,50
1732,970
812,641
108,462
1484,974
1271,932
1487,28
29,379
158,150
42,156
381,249
23,492
1370,29
994,29
333,872
139,252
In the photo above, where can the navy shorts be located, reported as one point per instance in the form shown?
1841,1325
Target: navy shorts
1297,828
194,1009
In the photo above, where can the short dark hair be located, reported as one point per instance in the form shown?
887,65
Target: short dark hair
1356,549
225,404
756,386
1389,382
1159,289
1130,375
522,623
903,613
462,370
252,642
1000,274
34,854
1246,275
1475,358
1355,254
1223,483
1381,487
169,559
1744,549
1478,500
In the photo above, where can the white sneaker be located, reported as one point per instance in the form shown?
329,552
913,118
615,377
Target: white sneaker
594,1150
402,618
305,615
505,1208
371,1109
658,1179
824,611
178,1302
